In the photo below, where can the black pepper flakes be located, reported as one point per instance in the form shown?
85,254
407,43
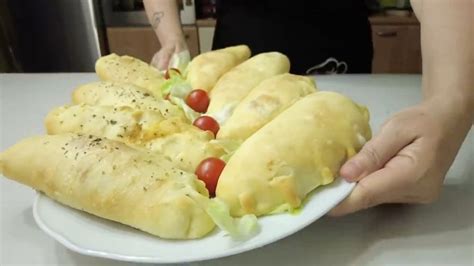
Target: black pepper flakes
113,122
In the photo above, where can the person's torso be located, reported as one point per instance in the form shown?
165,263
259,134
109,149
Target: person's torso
309,32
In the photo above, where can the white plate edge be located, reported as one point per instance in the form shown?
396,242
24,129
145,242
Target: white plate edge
232,251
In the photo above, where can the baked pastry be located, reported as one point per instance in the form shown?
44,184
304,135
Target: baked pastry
113,181
264,103
234,85
123,94
299,150
205,69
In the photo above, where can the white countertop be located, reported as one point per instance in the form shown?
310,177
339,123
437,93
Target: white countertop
441,233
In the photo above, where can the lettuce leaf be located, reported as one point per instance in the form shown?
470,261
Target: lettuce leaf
239,228
175,81
178,89
180,61
190,114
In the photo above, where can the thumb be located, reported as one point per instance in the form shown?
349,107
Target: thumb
377,152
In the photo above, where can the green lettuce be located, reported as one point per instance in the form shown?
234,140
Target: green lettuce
175,84
178,89
180,61
190,114
239,228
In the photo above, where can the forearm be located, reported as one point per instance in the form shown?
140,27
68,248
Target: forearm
164,18
448,56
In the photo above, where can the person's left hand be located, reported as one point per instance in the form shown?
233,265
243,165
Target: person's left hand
407,160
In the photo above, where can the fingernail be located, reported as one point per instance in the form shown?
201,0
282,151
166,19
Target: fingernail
351,171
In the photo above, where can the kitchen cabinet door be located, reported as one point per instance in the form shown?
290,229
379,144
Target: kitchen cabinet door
141,42
396,49
206,35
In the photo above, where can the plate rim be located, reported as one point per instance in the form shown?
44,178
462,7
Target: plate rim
68,243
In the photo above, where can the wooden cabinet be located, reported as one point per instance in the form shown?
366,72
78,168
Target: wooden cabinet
397,46
141,42
206,29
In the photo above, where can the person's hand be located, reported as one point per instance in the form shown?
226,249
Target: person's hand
162,58
406,162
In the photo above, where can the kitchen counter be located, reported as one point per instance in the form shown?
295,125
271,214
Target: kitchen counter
441,233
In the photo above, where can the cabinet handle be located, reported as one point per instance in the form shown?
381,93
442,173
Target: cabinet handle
186,36
387,33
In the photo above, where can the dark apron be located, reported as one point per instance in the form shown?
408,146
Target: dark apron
318,36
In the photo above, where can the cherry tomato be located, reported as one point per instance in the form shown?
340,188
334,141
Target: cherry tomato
207,123
198,100
171,72
209,171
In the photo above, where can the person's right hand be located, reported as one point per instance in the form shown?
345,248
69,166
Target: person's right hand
162,58
406,162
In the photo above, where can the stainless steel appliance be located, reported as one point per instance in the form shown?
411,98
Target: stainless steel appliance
50,35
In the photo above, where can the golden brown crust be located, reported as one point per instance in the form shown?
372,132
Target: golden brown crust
206,68
127,69
271,97
234,85
123,124
299,150
106,93
112,181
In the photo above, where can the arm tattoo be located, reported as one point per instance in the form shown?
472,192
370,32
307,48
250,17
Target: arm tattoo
156,19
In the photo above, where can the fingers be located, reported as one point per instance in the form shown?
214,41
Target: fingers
377,152
162,59
383,186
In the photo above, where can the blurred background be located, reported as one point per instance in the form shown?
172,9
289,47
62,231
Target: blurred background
69,35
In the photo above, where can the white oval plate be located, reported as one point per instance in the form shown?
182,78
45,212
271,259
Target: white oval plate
93,236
